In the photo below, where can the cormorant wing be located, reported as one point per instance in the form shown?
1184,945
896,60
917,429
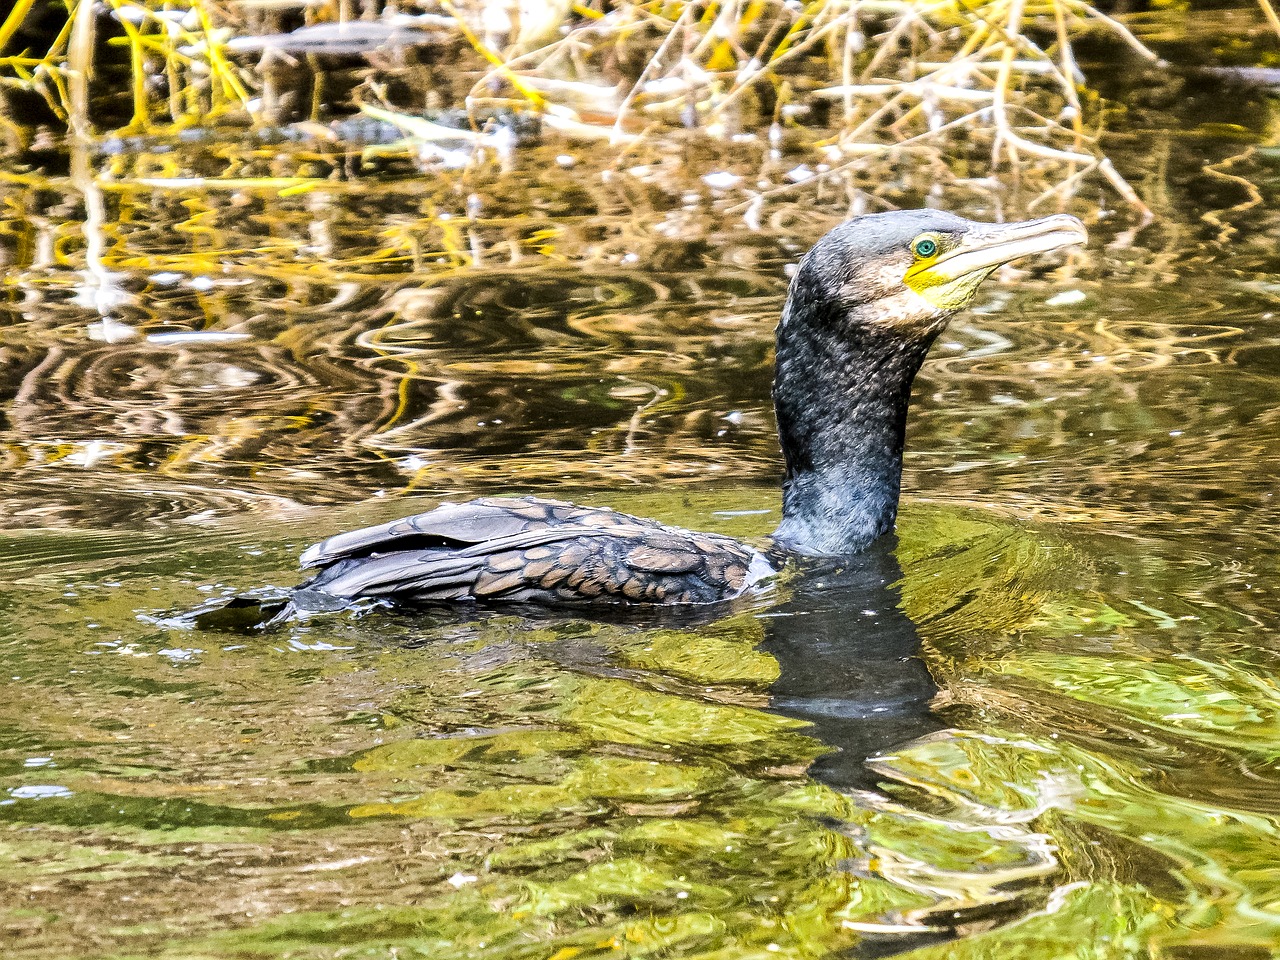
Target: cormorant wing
449,523
533,550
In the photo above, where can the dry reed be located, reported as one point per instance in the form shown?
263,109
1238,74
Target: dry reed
859,81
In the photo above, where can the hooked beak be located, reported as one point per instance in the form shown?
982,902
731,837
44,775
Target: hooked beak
983,249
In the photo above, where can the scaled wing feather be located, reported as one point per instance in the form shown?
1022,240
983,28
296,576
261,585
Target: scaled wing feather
531,550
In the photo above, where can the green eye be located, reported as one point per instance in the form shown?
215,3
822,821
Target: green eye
925,248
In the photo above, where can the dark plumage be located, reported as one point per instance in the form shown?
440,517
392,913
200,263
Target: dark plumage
533,551
864,307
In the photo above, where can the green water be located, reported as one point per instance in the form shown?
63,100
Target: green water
1047,726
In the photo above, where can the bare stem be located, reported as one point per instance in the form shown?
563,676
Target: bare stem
80,69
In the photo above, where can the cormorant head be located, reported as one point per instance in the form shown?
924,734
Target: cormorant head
909,270
865,304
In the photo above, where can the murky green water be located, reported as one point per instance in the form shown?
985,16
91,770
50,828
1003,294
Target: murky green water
1066,676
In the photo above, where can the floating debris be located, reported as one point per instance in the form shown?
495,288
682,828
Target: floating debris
352,37
197,337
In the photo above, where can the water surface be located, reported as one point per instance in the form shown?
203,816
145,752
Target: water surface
1064,672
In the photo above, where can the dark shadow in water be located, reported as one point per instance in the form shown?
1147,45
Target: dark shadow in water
850,663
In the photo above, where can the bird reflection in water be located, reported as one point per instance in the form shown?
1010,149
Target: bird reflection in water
850,665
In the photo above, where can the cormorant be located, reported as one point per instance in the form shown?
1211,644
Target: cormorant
863,309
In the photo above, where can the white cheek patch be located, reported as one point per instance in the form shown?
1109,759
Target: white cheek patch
902,306
907,309
878,284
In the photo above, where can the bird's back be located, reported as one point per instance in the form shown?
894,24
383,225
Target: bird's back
532,550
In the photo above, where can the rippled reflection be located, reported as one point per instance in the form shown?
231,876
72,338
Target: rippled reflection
1044,719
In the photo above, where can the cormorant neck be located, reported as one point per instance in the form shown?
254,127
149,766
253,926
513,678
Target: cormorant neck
841,392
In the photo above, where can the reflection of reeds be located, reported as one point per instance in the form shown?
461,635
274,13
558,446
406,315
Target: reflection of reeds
378,357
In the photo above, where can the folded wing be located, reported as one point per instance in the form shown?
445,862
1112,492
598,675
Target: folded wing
534,551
